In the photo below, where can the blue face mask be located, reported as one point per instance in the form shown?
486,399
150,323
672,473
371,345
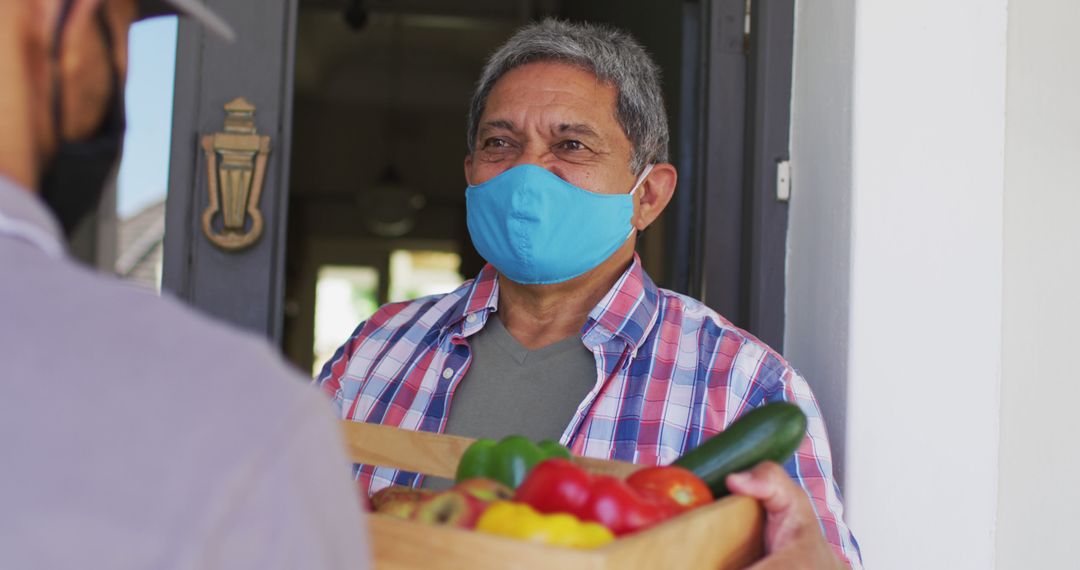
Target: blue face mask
537,228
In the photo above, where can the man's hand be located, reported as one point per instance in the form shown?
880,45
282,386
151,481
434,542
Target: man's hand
793,537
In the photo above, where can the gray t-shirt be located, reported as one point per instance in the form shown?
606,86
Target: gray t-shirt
138,434
510,389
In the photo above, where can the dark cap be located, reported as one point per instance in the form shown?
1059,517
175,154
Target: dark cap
192,8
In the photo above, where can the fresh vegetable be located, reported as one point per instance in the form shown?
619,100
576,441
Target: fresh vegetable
615,505
517,520
556,486
559,486
769,433
507,461
673,485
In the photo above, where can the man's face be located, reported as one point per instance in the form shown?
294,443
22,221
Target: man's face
557,116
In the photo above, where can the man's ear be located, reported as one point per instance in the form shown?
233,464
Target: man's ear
654,194
468,168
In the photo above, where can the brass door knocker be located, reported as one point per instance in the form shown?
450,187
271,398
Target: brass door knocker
235,168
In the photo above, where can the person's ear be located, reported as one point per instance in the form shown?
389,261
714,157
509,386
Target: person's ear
468,169
654,194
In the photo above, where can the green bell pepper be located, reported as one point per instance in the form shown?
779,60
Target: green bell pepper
507,461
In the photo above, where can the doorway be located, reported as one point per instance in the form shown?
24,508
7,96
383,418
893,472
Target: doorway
365,103
380,95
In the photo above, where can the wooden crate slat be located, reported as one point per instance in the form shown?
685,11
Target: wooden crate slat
430,453
725,534
401,545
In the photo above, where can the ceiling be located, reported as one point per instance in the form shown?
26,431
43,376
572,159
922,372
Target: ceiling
405,53
381,83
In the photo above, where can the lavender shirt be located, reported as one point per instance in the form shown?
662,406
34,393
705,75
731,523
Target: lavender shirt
137,434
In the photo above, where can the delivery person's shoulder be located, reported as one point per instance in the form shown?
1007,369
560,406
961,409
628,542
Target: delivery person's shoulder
91,333
134,420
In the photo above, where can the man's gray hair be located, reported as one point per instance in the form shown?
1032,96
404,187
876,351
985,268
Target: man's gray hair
613,56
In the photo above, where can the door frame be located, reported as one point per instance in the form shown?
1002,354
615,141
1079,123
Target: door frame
243,287
726,234
729,236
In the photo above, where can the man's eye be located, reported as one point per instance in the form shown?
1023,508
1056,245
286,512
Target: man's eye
572,145
496,142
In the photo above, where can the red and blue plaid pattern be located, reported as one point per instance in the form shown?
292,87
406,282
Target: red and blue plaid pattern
670,373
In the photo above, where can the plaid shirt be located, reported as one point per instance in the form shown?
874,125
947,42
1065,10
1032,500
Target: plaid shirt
670,373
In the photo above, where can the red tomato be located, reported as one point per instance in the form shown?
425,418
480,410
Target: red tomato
673,485
559,486
555,486
615,505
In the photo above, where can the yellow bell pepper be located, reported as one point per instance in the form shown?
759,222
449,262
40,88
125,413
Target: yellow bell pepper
518,520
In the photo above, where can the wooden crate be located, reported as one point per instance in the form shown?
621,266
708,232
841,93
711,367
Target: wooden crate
720,536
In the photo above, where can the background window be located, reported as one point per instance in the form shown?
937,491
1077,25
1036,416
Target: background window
421,273
144,166
344,297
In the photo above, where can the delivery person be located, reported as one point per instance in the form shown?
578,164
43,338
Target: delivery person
563,335
133,432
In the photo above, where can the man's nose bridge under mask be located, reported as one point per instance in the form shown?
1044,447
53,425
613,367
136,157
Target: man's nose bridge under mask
637,183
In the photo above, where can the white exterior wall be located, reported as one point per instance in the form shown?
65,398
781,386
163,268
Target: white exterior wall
908,146
925,329
1039,494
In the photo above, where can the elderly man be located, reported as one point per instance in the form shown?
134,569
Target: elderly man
563,335
133,432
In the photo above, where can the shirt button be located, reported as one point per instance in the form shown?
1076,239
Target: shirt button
448,373
471,318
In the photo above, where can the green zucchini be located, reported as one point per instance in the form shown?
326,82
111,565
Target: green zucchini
767,433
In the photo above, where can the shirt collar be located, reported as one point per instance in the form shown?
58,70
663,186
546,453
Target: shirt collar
481,297
627,312
23,216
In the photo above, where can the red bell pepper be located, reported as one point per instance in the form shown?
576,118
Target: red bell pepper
559,486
